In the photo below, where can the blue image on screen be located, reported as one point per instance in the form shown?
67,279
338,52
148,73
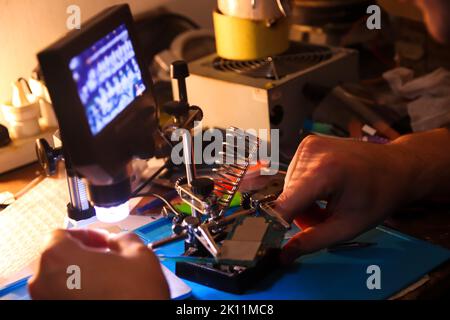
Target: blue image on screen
108,78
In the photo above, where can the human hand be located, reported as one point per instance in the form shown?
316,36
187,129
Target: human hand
362,182
112,268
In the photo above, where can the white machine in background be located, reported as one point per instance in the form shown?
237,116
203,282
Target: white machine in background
267,93
26,123
21,152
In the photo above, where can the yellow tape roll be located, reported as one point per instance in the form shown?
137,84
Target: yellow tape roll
241,39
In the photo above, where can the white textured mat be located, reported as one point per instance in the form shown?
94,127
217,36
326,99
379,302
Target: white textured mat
26,224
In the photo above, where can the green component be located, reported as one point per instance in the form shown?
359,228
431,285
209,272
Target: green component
186,209
318,127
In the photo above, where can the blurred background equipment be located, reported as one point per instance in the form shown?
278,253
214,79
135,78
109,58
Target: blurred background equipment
249,30
267,93
342,23
328,21
23,113
27,117
255,9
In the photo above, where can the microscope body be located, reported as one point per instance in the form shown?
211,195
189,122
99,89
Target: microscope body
103,99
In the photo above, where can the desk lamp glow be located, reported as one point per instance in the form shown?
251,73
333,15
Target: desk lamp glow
102,95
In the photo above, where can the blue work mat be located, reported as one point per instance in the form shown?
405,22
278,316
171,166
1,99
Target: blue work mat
403,260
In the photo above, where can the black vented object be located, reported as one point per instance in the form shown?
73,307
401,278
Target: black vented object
299,57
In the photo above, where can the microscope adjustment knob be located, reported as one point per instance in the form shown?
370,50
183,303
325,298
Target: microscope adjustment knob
48,157
179,70
199,111
203,186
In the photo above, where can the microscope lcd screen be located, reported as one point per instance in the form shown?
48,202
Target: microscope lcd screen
108,78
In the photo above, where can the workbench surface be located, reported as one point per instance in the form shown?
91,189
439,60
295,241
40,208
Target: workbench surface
429,222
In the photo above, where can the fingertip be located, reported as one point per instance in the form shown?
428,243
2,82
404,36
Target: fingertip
282,206
281,199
